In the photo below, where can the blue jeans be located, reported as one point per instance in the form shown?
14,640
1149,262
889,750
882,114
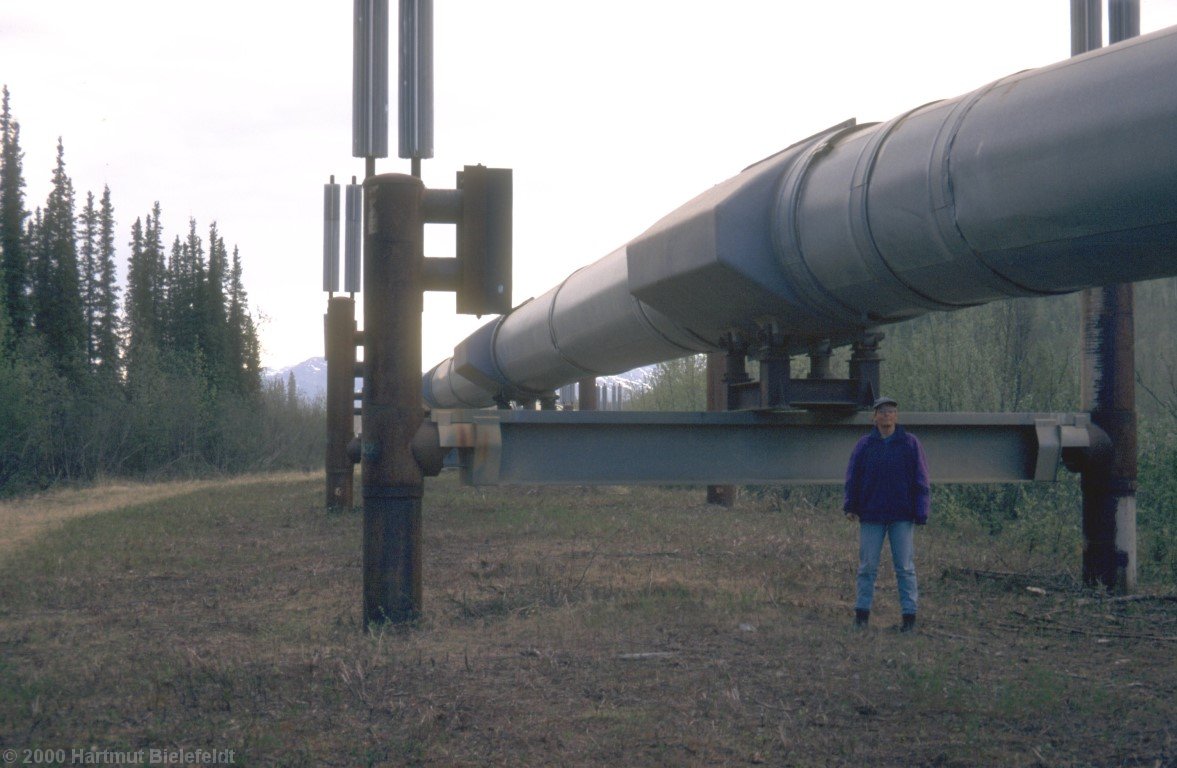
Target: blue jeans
870,547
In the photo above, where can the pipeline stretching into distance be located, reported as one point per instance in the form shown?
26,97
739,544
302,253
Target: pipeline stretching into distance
1044,182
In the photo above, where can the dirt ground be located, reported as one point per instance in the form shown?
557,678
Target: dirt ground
569,626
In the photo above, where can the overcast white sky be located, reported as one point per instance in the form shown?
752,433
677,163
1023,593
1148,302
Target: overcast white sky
611,113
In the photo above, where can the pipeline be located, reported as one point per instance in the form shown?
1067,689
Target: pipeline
1044,182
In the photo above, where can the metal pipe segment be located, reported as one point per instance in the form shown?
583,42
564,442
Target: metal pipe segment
1043,182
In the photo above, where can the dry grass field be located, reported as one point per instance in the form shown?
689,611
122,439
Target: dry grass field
569,627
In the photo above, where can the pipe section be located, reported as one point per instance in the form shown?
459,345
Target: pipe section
1023,187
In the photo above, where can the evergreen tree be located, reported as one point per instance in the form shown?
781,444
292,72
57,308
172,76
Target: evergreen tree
88,279
156,272
14,268
195,263
142,333
180,336
57,298
32,245
214,326
138,313
106,293
244,349
146,319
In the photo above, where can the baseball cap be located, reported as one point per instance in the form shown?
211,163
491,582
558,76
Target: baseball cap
884,401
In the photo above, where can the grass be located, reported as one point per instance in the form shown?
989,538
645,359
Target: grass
564,627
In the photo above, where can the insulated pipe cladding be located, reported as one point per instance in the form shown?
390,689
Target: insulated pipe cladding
1044,182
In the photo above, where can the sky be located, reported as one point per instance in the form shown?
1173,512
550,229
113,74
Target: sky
610,113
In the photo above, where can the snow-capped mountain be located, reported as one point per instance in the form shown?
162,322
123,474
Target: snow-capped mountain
310,377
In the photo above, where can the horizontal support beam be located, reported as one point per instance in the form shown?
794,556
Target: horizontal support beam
629,447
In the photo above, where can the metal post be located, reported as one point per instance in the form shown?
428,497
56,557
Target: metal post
819,360
1108,383
587,394
865,364
393,411
340,335
717,363
735,372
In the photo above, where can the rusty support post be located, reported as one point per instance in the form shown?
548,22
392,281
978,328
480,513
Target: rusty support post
392,479
340,348
1108,383
586,399
1108,392
717,370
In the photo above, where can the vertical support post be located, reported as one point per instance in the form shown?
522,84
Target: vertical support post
340,334
723,495
735,372
1108,391
772,352
865,366
393,410
819,360
587,394
1108,384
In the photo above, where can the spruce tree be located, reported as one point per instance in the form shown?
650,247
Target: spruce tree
88,277
147,287
107,293
214,330
57,298
138,289
156,274
179,299
14,267
244,348
139,309
196,266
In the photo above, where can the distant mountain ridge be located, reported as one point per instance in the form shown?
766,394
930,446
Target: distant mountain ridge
310,378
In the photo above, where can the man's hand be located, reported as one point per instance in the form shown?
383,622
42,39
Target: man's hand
852,517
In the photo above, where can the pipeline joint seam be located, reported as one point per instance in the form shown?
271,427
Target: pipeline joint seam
812,295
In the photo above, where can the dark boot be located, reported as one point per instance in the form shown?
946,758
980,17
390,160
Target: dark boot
861,618
908,623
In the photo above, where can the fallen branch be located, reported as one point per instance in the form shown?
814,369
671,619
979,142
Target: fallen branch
1067,630
1128,599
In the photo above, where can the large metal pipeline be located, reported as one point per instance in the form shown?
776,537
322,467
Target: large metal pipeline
1044,182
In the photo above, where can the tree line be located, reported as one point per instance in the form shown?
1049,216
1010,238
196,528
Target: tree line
157,376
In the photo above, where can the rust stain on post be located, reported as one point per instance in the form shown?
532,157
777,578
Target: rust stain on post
1108,391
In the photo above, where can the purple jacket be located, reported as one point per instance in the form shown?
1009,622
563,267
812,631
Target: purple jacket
887,480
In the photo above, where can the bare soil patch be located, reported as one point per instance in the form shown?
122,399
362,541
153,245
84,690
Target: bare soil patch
575,627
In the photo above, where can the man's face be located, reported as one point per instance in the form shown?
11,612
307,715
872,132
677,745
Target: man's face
886,417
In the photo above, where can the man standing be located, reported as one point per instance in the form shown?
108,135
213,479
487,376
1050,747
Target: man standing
887,493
